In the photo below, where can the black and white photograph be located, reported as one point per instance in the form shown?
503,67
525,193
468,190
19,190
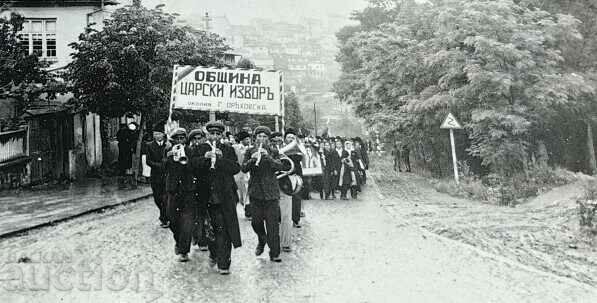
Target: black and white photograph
353,151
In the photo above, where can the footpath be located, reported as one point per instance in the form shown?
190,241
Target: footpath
26,209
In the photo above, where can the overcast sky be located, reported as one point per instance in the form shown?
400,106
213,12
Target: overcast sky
241,11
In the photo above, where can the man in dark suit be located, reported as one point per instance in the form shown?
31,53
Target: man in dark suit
156,159
181,186
330,170
263,161
336,163
220,161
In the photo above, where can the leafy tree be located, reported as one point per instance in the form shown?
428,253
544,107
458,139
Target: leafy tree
22,76
579,57
496,64
126,67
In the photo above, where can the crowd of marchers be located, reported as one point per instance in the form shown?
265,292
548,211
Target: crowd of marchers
198,178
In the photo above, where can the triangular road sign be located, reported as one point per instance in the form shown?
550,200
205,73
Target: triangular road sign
451,123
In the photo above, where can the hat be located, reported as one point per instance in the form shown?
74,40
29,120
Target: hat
178,132
242,135
262,129
196,132
215,126
289,131
276,134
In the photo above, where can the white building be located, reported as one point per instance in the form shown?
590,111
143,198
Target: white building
52,24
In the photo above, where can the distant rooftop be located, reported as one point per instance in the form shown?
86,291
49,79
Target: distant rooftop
50,3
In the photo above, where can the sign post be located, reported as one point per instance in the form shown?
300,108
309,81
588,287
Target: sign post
451,123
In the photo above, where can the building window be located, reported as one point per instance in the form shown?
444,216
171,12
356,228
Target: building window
39,38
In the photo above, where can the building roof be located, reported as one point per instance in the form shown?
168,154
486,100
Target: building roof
53,3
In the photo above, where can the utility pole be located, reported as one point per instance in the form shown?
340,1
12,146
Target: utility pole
315,116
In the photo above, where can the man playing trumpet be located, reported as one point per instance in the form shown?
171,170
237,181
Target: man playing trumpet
263,161
220,163
181,186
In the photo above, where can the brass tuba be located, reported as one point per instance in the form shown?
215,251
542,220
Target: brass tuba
289,182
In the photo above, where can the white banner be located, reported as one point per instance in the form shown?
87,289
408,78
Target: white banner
227,90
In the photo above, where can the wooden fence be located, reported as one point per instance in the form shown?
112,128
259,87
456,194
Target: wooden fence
13,145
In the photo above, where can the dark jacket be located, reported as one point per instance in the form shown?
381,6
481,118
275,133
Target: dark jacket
220,183
127,142
181,178
347,172
365,155
334,161
156,159
263,184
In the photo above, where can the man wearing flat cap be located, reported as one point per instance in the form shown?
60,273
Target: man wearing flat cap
220,163
156,159
263,161
181,187
196,138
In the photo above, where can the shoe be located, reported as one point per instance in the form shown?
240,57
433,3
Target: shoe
224,271
212,262
259,249
302,214
286,249
164,224
183,258
203,248
296,225
343,198
275,259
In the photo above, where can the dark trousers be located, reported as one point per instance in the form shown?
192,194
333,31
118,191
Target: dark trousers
199,237
221,248
159,197
307,187
268,212
317,185
181,214
344,191
296,208
328,185
335,181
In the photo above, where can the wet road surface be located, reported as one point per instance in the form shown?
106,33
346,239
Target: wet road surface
347,251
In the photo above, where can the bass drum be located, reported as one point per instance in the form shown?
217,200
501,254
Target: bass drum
290,184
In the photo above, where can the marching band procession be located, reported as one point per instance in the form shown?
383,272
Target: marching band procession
199,177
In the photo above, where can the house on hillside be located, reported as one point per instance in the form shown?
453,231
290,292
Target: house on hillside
57,142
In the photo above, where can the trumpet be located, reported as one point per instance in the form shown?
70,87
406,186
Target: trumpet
259,156
213,150
179,154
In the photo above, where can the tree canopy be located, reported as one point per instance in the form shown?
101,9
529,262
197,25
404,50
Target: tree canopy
500,66
127,65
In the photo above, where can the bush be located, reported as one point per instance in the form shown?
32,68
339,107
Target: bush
587,208
507,191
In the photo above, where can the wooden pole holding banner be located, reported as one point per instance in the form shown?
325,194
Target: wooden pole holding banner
212,116
277,124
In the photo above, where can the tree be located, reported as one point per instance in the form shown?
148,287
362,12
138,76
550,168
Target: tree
22,76
496,64
579,57
126,67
